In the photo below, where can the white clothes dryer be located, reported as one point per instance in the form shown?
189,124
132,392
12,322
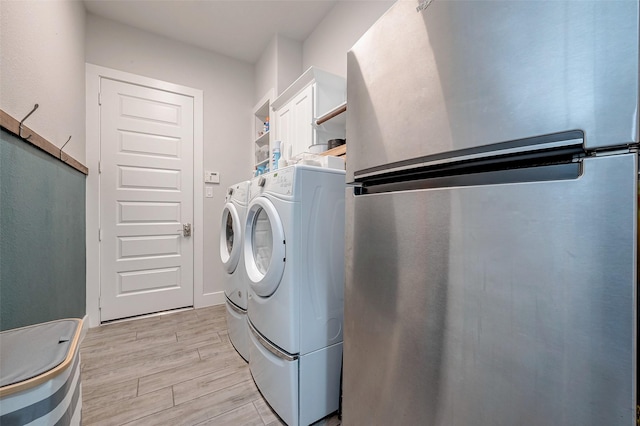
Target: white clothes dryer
235,278
294,257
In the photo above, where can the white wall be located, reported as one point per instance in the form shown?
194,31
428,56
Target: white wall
284,60
327,46
42,45
289,62
266,70
228,87
278,67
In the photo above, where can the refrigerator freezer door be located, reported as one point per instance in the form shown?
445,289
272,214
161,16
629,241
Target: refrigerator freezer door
501,304
462,74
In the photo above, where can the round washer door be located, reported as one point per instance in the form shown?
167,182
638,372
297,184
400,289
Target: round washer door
230,238
264,247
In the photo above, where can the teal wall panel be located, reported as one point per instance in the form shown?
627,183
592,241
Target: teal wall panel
42,236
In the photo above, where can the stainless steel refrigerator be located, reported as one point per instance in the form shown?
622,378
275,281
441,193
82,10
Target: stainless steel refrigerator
492,226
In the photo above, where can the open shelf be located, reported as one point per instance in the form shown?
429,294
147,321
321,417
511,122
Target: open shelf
263,140
262,133
337,151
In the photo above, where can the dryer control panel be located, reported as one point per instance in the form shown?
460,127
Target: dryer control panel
277,182
238,193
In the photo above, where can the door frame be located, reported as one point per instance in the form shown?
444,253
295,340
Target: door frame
93,74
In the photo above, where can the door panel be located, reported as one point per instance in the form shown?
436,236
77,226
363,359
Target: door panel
145,212
238,329
284,123
302,122
148,109
148,246
140,281
496,304
136,143
276,376
294,125
264,247
147,178
485,72
146,194
230,239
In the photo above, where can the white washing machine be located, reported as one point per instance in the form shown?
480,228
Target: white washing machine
294,257
235,280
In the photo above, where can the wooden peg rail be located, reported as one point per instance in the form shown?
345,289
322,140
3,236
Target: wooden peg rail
12,125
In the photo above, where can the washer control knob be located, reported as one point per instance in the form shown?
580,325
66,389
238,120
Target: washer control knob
262,181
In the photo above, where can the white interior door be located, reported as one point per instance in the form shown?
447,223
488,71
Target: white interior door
146,195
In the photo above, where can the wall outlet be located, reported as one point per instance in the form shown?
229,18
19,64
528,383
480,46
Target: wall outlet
211,177
208,192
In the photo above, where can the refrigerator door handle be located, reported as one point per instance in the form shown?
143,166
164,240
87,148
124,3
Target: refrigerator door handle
427,180
549,145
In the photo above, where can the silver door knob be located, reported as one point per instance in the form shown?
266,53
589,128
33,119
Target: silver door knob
186,230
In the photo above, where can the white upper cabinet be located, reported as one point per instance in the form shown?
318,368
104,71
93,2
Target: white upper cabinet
302,124
297,108
284,129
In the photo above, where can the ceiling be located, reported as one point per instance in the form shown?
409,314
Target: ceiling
238,28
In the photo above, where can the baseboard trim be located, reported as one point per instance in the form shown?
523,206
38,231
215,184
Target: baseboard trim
210,299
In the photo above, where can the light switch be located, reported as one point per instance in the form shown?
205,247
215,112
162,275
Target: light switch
209,192
211,177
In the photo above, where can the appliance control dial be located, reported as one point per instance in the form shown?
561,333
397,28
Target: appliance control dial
262,181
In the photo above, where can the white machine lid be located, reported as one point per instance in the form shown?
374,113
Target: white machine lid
238,193
28,352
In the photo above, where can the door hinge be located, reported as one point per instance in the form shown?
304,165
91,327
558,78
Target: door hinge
99,167
619,151
99,303
99,234
99,99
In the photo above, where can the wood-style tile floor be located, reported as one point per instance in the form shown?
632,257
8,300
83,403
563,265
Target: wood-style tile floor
173,369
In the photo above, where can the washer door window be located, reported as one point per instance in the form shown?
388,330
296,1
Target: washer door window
264,247
230,238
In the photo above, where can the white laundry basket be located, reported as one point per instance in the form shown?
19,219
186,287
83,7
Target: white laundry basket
40,374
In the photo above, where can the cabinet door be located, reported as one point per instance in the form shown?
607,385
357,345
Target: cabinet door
284,117
302,124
